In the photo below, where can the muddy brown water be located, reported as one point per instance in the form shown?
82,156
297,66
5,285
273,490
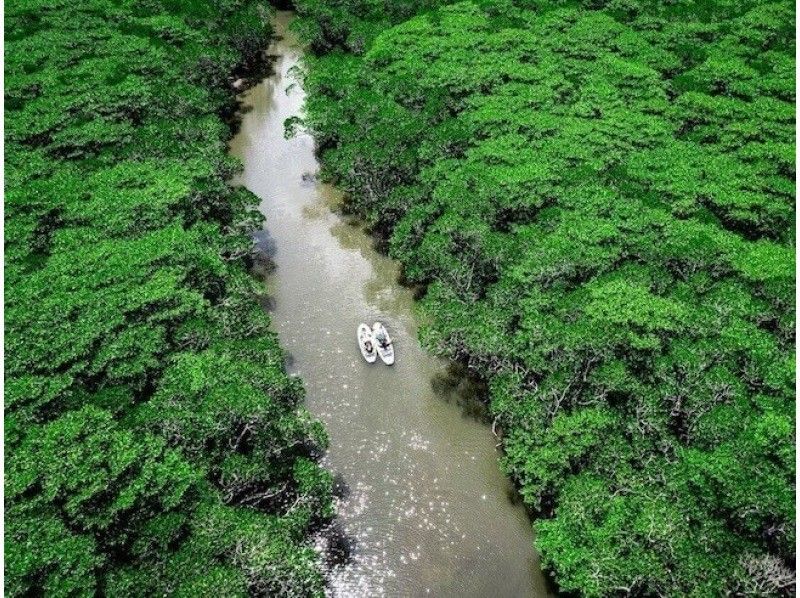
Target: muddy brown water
424,509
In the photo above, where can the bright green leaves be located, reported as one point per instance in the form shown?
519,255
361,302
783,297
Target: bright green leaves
630,315
313,486
352,24
688,178
265,548
628,539
102,309
129,198
264,553
97,473
540,458
749,477
233,398
39,546
762,262
593,539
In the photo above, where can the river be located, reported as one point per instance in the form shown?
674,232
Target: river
422,503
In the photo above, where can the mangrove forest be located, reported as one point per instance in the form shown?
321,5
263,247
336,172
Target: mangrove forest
580,213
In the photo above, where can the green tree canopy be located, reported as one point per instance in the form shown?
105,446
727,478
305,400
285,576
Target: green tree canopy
154,443
598,200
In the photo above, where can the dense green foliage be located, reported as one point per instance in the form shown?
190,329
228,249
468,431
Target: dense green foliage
154,443
598,199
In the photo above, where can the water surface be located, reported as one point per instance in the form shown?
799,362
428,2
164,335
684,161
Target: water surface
423,500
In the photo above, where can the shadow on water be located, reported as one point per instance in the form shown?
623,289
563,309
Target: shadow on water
264,244
241,110
268,303
350,237
336,546
515,498
341,489
308,180
455,386
264,251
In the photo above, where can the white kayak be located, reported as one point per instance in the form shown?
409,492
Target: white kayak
366,344
383,343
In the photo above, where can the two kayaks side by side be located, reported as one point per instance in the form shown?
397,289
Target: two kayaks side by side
374,342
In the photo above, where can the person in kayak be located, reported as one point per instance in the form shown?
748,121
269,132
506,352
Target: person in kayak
381,337
368,346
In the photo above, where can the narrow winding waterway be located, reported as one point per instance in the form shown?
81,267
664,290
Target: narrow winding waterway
424,502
